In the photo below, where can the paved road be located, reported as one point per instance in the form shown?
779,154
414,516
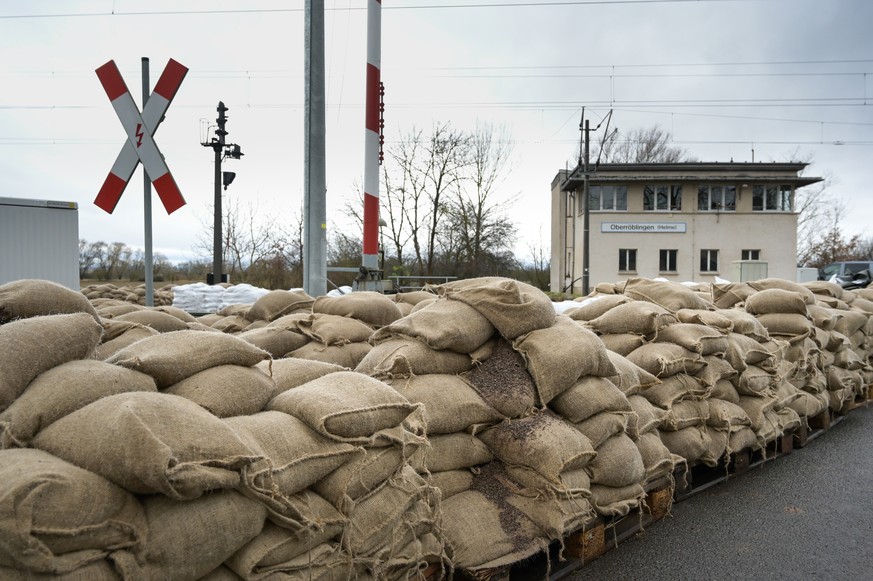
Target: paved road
807,515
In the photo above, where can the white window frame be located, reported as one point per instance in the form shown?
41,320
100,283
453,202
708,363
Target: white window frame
746,254
708,259
666,260
630,259
713,204
672,194
597,205
774,198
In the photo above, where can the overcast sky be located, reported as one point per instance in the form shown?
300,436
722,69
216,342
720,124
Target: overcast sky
729,79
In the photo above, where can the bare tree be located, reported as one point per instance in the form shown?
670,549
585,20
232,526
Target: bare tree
645,145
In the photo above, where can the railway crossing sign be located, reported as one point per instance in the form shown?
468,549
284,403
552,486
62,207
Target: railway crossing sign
140,128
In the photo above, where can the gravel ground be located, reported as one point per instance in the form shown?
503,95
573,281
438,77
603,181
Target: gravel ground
807,515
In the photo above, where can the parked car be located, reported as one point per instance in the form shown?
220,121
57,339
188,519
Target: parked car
844,269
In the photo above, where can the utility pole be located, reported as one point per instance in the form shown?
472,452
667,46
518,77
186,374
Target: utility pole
147,203
586,222
222,149
314,165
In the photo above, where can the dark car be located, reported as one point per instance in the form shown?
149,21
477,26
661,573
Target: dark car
844,269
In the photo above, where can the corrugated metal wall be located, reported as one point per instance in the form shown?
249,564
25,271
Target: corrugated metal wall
39,242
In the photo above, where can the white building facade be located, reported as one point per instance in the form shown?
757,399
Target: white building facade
687,221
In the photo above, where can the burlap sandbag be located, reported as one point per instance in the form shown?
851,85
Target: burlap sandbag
227,390
361,475
450,403
622,343
589,396
717,442
616,502
160,322
378,519
187,540
675,388
666,359
618,463
277,303
303,513
150,443
558,356
672,296
745,324
712,319
503,381
601,427
346,406
296,456
823,287
112,311
231,324
776,300
755,381
648,415
451,482
807,405
513,307
684,414
723,415
443,324
370,307
592,307
414,297
657,459
450,452
784,284
278,552
637,317
756,407
96,571
725,296
56,518
689,443
334,329
542,442
29,347
61,391
277,341
22,299
159,356
744,351
349,355
697,338
489,526
120,335
288,373
630,378
786,324
851,321
404,357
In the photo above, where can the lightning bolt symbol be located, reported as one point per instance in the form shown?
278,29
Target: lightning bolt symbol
138,134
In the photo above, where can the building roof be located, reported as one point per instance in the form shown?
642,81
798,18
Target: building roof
711,172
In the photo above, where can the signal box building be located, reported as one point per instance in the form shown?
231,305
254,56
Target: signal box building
688,221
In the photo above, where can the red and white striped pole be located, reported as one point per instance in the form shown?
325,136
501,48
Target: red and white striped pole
371,144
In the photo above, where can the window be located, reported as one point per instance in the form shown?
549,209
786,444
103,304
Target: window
627,260
750,255
662,198
709,261
717,198
607,198
667,261
772,198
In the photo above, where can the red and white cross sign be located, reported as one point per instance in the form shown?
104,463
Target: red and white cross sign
140,144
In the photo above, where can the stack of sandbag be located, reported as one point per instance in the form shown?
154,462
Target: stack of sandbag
132,294
406,301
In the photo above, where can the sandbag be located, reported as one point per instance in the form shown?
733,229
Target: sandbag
345,406
513,307
451,482
334,329
676,388
637,317
442,324
648,416
630,378
672,296
288,373
403,357
690,443
157,320
776,300
724,415
618,463
600,427
277,303
370,307
361,475
666,359
277,341
616,502
684,414
450,403
450,452
119,335
503,381
558,356
589,396
56,518
227,390
622,343
542,442
158,356
745,324
712,319
592,307
62,390
278,551
150,443
26,298
657,459
29,347
696,338
349,355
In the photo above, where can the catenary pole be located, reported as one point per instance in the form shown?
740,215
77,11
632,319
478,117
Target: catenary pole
315,185
147,203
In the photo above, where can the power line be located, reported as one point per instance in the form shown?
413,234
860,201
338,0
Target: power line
457,5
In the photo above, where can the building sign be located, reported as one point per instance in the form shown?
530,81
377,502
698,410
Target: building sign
643,227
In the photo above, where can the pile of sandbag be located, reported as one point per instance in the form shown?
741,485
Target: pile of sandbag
108,293
184,455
